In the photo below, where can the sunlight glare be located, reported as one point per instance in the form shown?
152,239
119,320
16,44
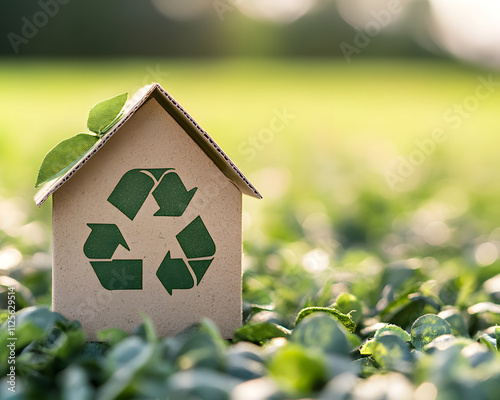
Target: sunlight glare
468,29
275,10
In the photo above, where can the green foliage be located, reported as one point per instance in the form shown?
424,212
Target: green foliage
259,332
347,303
391,352
66,154
54,361
103,115
497,337
331,235
63,156
427,328
368,348
393,330
297,369
323,333
345,320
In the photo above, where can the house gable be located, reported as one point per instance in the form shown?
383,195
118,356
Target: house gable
180,115
149,139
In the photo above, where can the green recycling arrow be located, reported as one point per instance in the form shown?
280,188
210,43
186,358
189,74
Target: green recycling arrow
197,245
119,274
101,244
174,274
172,198
200,267
103,241
135,186
195,240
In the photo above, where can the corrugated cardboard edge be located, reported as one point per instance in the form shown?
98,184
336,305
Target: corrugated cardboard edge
192,128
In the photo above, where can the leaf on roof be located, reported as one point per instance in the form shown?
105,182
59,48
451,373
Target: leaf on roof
64,155
105,114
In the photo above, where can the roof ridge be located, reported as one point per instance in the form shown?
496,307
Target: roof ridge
130,109
211,140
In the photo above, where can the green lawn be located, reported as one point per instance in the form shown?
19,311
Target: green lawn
350,125
349,131
342,111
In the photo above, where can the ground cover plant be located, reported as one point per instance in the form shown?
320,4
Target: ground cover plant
353,289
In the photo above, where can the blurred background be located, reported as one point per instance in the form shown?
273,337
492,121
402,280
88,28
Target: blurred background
261,28
386,146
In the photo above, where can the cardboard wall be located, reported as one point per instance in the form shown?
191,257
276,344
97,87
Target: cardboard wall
150,139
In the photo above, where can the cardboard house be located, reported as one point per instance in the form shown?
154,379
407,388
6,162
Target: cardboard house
149,222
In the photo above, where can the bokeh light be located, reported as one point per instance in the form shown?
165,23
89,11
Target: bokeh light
360,13
316,260
468,29
486,253
282,11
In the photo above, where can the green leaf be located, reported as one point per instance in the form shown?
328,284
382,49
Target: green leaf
112,335
208,327
244,361
488,341
427,328
497,336
393,330
64,340
75,384
34,329
297,369
456,321
147,329
367,348
104,114
124,362
259,332
63,156
391,352
201,350
33,323
24,296
344,319
4,314
94,350
131,352
249,310
348,303
367,366
323,333
353,339
199,384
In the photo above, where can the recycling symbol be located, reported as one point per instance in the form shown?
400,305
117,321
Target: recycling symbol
172,198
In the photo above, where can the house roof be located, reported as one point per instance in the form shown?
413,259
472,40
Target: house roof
181,116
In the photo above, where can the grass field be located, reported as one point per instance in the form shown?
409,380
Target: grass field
350,125
379,179
342,111
355,150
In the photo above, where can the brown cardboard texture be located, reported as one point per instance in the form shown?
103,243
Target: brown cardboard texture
149,222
